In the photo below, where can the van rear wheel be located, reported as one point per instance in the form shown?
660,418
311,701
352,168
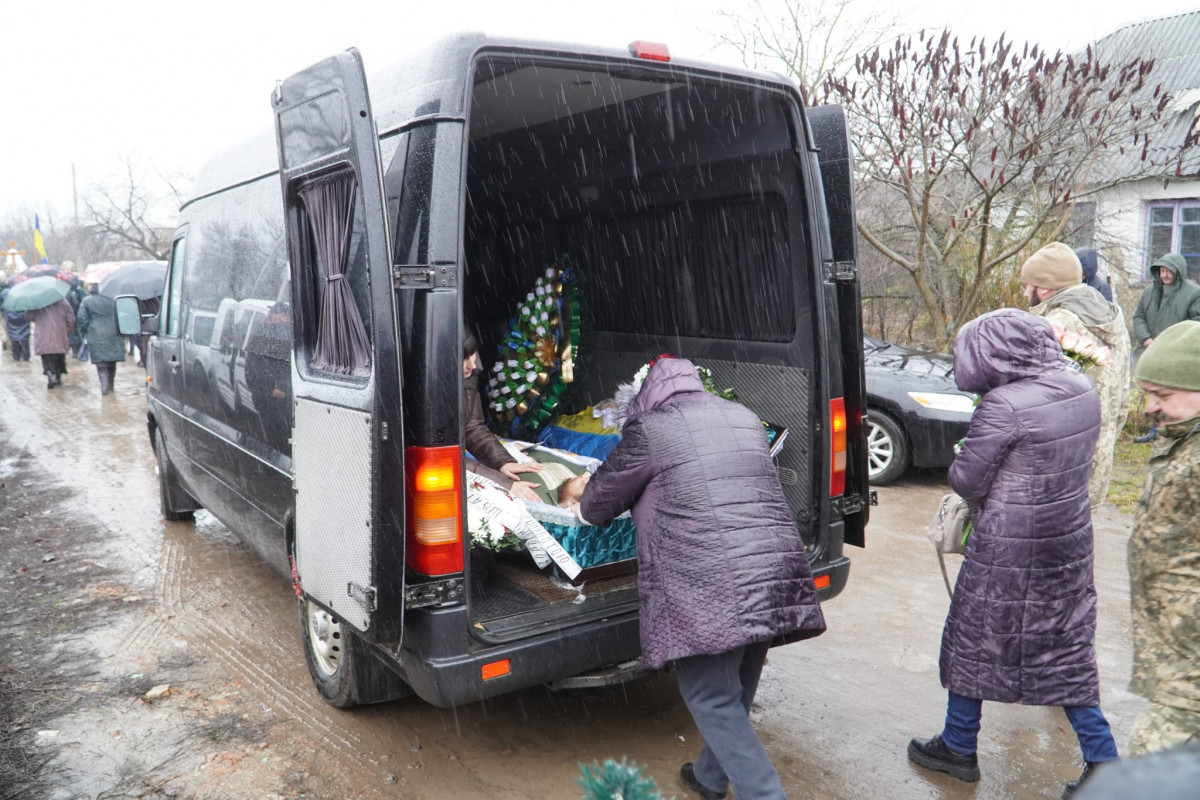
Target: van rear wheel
343,668
177,504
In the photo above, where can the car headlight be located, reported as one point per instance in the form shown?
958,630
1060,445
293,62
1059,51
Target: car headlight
959,403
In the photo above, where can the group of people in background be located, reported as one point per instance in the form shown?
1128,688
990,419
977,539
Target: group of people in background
83,324
1035,464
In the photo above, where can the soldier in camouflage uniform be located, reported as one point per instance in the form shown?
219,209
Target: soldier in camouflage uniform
1052,278
1164,550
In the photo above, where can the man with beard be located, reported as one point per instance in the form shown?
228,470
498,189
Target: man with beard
1164,549
1053,286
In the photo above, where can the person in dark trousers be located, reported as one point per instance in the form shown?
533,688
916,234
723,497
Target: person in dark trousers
1022,622
16,327
1170,298
97,324
52,328
722,570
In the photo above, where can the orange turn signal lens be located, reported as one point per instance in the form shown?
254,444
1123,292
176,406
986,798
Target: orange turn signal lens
495,669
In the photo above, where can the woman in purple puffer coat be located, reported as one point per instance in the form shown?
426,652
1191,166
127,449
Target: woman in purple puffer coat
721,567
1022,624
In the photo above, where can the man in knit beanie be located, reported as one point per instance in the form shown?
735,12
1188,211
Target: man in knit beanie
1053,286
1164,550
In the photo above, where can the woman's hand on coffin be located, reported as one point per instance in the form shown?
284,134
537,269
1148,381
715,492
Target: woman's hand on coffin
512,469
524,491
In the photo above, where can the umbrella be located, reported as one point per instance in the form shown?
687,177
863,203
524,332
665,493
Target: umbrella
35,293
101,270
141,278
45,271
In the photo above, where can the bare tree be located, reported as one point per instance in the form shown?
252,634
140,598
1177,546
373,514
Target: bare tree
806,39
128,215
967,158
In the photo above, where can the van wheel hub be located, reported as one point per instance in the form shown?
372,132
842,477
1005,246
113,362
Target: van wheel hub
325,638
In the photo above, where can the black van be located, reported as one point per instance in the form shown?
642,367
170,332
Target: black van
306,372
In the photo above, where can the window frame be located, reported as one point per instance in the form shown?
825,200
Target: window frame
1177,225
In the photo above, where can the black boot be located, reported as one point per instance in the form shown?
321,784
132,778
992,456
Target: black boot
687,776
1148,436
934,754
1089,768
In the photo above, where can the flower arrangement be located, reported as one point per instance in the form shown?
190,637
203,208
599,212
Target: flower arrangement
705,374
537,357
487,531
1081,348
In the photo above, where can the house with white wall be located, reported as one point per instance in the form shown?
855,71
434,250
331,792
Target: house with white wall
1134,222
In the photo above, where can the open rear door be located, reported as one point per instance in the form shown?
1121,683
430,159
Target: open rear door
338,257
831,135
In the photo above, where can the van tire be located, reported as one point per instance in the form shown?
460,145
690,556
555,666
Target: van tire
177,504
343,667
887,449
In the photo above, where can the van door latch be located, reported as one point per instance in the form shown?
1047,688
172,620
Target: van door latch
841,271
424,276
363,595
436,593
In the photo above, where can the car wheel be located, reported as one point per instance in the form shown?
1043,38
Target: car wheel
887,450
177,504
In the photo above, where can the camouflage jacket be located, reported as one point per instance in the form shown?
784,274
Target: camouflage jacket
1164,571
1083,310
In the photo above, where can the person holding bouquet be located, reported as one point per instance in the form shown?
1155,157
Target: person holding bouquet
1092,332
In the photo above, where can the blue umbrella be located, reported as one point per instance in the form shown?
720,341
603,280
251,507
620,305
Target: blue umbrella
141,278
35,293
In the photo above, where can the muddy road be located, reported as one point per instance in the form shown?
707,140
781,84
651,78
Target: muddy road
147,659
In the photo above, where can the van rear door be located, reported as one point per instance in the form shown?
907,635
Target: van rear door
346,440
831,136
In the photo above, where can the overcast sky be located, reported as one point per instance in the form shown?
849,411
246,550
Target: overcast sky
167,83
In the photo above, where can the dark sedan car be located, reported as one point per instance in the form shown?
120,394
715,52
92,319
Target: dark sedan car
915,413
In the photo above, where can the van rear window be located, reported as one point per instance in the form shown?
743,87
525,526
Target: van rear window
679,197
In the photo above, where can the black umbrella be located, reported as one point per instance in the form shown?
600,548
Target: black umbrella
141,278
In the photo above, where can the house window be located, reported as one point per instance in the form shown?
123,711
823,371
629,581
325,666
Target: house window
1174,227
1080,229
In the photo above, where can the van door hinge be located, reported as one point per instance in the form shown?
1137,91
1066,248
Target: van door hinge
436,593
424,276
363,595
841,271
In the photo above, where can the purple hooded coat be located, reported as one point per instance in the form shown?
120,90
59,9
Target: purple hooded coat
1022,624
720,562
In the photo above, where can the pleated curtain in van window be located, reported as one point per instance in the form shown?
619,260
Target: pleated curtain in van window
341,337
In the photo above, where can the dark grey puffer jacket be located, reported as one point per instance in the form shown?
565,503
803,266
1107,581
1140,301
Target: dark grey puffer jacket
720,562
1022,624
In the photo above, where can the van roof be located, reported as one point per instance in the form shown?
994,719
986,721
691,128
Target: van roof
433,82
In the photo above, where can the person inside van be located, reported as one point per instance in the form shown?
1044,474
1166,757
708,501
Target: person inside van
494,461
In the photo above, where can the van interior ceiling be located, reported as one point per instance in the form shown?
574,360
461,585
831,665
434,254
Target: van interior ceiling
668,191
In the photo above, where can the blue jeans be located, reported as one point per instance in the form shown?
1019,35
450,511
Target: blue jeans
961,733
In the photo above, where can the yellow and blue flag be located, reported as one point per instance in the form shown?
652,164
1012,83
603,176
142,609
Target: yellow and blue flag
38,245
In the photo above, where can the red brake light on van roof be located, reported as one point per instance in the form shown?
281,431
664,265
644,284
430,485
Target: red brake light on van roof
651,51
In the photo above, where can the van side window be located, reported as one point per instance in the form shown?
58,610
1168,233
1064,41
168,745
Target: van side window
171,324
332,276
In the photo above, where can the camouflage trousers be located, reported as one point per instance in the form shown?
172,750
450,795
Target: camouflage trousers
1161,727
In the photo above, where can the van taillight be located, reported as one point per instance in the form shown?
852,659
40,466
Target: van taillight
651,51
837,464
434,539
